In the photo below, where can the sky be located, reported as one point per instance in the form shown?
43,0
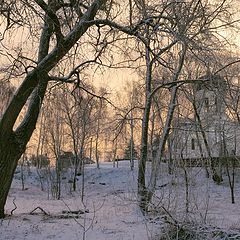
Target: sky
111,78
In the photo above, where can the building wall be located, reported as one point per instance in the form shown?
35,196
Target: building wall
222,133
188,142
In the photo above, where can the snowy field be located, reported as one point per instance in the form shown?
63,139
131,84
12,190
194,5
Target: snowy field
109,209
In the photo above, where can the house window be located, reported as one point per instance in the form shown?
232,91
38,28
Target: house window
193,144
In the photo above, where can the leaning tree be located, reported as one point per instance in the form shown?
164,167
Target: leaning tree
62,25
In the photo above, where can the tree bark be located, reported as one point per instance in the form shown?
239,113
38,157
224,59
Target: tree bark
9,155
142,189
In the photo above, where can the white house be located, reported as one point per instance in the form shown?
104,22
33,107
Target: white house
210,132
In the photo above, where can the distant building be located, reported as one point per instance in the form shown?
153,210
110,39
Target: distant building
210,131
67,160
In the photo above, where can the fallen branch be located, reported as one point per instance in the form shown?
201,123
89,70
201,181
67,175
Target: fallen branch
15,206
75,212
42,211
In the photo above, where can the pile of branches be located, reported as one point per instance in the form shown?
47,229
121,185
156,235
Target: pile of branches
193,231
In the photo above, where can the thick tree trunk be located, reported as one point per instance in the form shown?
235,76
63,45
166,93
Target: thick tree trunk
9,155
13,144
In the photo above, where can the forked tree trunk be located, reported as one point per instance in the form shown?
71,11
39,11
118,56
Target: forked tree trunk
145,193
162,143
13,143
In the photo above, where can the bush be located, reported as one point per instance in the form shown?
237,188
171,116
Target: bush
191,231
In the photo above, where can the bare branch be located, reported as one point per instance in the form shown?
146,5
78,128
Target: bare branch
54,18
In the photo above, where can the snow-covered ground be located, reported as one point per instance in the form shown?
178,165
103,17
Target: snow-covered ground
110,205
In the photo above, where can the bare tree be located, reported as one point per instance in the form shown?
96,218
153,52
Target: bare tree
57,38
57,135
97,134
182,24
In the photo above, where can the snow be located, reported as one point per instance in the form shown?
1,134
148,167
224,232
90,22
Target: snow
110,205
